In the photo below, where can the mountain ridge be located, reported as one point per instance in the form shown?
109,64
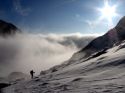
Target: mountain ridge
8,29
113,37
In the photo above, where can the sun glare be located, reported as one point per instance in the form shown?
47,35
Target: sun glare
108,12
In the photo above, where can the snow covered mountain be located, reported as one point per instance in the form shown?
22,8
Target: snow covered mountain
108,40
97,68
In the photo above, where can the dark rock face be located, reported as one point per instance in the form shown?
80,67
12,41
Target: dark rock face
7,28
108,40
103,42
120,28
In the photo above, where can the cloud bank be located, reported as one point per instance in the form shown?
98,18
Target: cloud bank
25,52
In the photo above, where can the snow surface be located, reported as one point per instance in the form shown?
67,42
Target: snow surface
98,74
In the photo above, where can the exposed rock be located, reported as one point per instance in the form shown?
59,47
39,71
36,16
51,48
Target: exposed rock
8,28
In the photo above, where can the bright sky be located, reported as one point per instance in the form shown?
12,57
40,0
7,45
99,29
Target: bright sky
63,16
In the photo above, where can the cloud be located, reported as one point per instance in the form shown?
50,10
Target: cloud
38,51
92,24
96,23
24,11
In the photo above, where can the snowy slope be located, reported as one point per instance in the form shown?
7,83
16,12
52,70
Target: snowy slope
99,74
97,68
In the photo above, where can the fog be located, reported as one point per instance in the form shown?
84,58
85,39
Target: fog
24,52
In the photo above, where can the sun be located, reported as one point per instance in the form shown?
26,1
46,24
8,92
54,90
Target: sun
108,12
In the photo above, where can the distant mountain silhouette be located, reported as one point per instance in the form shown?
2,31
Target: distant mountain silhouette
7,28
108,40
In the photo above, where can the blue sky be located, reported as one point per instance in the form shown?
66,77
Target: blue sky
59,16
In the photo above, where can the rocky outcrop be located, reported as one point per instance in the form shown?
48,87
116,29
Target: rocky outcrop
7,29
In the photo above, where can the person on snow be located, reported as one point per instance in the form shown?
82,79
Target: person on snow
32,74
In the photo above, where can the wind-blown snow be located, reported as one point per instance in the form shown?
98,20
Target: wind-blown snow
25,52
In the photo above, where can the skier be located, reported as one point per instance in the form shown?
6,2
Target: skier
32,74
